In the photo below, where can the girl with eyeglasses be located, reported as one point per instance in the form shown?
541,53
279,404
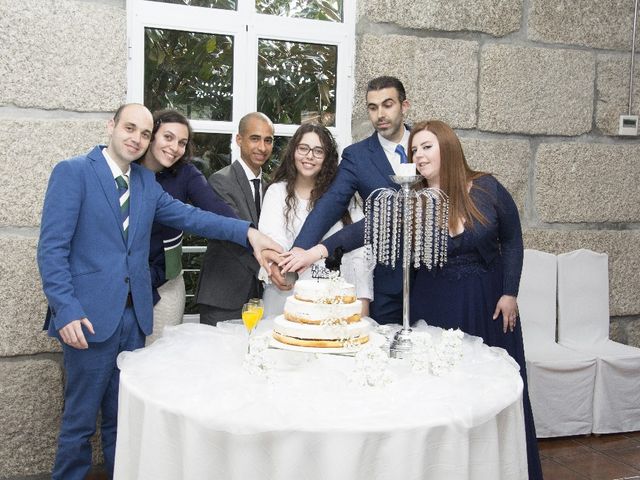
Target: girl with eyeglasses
307,168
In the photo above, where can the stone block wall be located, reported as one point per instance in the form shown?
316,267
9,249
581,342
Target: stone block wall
62,75
533,88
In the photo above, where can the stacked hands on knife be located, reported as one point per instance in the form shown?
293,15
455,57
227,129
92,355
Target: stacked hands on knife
295,260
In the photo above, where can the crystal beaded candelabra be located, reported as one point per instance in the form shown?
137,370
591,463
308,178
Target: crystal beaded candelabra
411,222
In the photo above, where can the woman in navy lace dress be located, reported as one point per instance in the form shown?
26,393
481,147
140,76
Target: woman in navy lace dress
476,289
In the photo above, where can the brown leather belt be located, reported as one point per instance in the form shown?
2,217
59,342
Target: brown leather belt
129,300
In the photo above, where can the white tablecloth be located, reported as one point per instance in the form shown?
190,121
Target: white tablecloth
188,410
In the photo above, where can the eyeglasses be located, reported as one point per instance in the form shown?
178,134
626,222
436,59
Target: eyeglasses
303,149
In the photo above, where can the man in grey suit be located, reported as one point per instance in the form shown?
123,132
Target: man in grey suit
229,274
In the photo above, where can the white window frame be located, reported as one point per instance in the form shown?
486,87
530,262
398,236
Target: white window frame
247,27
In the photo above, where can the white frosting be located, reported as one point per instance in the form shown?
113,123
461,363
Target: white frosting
321,289
320,332
317,317
317,312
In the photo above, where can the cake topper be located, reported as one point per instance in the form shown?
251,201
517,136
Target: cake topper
318,271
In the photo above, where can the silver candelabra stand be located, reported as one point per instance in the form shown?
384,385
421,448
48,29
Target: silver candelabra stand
413,222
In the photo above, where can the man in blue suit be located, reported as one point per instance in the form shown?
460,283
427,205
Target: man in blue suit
365,166
93,257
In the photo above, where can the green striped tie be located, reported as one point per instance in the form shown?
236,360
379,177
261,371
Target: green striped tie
123,191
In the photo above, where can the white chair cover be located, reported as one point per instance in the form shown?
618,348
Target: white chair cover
561,380
583,325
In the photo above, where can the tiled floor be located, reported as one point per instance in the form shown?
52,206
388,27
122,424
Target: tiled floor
603,457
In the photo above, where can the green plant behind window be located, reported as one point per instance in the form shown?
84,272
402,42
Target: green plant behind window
190,72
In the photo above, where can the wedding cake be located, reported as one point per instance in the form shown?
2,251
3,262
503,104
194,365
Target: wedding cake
322,313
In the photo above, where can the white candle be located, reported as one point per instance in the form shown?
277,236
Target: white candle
406,169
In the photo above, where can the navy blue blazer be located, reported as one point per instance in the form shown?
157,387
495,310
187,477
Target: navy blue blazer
363,169
87,267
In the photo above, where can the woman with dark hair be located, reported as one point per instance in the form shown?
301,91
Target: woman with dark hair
476,289
169,155
308,166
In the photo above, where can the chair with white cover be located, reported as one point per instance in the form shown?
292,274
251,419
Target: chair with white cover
560,380
583,325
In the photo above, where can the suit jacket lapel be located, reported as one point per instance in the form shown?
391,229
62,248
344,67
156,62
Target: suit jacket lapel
107,183
379,159
247,192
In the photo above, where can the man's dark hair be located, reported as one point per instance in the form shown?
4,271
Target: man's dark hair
388,82
116,116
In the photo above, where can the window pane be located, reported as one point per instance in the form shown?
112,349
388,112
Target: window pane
297,81
190,72
221,4
211,152
279,144
192,261
328,10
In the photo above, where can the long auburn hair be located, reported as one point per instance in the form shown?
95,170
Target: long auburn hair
286,171
173,116
455,173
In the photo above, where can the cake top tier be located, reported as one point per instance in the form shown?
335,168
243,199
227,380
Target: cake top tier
324,290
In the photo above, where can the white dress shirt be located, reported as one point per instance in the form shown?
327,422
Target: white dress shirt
115,169
250,176
389,148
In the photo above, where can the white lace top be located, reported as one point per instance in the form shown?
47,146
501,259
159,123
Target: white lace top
273,223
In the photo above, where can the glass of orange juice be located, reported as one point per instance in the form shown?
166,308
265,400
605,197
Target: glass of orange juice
258,306
251,314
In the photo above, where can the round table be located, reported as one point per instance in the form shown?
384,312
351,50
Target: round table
188,409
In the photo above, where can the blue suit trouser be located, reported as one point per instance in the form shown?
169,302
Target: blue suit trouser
91,385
